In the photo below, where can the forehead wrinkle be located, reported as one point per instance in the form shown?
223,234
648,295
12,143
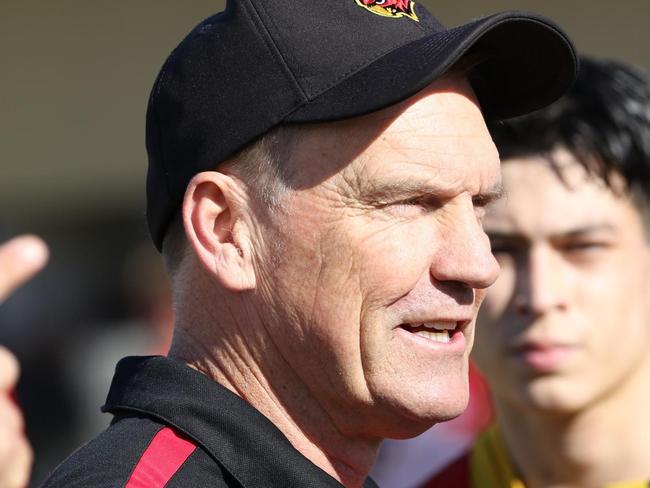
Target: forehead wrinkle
454,165
435,176
405,187
354,177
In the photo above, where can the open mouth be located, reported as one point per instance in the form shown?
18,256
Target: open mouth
435,331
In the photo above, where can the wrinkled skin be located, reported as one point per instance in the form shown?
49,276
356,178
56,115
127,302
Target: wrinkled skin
309,308
382,227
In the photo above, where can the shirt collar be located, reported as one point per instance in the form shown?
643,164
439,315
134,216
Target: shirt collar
243,440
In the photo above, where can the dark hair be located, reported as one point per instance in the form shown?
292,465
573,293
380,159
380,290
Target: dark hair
604,120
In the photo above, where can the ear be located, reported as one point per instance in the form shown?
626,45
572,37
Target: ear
213,209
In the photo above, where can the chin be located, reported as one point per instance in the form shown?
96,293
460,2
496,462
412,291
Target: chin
558,407
408,427
413,396
410,416
553,399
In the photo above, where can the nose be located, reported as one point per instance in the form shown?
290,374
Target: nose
540,284
464,255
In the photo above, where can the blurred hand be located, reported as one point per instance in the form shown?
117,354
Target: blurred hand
20,259
15,451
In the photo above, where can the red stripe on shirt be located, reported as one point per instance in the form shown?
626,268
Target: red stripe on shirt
161,460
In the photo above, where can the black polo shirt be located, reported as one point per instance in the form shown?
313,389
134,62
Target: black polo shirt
174,427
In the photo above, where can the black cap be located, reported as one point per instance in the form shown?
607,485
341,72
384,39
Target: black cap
243,71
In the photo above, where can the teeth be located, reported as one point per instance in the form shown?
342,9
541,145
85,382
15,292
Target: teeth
440,325
434,336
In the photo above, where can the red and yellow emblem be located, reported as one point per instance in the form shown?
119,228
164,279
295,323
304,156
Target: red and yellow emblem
390,8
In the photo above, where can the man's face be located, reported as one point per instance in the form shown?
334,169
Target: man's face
566,323
378,252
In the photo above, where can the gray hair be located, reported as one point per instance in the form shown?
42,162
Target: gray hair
262,166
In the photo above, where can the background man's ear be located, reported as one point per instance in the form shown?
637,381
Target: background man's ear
212,217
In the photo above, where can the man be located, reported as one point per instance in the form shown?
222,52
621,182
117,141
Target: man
20,258
327,274
564,333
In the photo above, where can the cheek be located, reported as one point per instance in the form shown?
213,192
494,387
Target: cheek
394,259
616,334
615,303
614,290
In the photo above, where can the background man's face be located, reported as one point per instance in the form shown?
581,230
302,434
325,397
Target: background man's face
381,234
566,323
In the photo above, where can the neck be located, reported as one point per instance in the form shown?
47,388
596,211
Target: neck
250,366
603,443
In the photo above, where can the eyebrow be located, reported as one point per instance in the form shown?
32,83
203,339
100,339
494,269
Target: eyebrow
587,229
492,194
407,188
568,234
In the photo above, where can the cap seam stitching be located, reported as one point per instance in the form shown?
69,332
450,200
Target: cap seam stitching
272,45
161,80
367,62
316,93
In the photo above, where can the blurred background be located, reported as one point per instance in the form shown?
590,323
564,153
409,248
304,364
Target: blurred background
73,90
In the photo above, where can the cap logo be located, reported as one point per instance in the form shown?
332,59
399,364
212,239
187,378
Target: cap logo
390,8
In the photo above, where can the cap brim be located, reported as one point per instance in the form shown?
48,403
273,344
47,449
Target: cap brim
525,62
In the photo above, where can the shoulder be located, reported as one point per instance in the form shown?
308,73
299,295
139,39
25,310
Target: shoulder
138,451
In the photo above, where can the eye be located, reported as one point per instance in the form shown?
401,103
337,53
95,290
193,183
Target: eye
380,2
504,247
583,247
412,207
408,207
482,203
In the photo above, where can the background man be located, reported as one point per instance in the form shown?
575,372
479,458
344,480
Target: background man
564,333
327,276
20,258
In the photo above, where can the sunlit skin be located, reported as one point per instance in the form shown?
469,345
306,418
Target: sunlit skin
394,237
564,333
381,228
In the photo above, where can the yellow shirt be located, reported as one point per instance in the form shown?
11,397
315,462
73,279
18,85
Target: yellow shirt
491,468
